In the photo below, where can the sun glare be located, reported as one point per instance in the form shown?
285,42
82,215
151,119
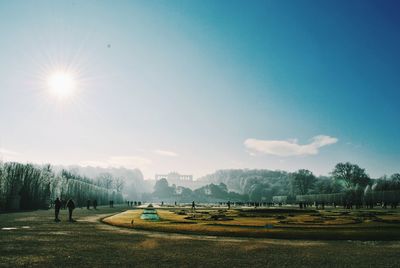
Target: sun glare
61,84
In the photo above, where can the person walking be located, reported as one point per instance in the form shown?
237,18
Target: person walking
57,207
71,207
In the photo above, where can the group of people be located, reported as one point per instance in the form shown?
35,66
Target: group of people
89,203
133,203
57,206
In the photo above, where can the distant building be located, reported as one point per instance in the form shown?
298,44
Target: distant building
175,178
180,180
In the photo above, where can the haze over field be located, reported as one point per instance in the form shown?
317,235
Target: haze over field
200,86
208,133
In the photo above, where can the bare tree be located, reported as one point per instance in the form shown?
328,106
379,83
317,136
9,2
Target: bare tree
119,184
350,175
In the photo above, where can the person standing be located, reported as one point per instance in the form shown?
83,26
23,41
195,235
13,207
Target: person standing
57,207
193,205
71,207
95,204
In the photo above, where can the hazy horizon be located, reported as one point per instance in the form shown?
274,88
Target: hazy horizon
195,87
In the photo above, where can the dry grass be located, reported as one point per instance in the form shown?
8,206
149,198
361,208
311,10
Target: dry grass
90,243
332,225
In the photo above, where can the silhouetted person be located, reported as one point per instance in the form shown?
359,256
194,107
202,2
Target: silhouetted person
95,204
57,207
193,206
88,204
131,203
71,207
229,204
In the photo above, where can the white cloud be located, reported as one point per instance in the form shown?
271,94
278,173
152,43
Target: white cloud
130,162
166,153
288,147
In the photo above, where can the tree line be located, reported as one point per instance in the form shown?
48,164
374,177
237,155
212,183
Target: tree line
347,183
28,186
353,187
163,192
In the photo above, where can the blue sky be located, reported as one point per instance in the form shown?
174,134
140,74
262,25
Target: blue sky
195,86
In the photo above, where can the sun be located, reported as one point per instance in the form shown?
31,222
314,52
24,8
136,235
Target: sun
61,84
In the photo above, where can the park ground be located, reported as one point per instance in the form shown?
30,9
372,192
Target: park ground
34,239
286,222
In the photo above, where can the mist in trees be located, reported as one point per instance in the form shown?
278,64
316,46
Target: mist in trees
162,189
132,180
255,184
208,193
27,186
348,184
302,181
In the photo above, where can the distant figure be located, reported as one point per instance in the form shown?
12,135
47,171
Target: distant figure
63,204
131,203
71,207
88,204
110,203
193,206
57,207
229,204
162,203
95,204
175,203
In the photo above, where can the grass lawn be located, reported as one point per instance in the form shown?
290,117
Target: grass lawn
39,241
